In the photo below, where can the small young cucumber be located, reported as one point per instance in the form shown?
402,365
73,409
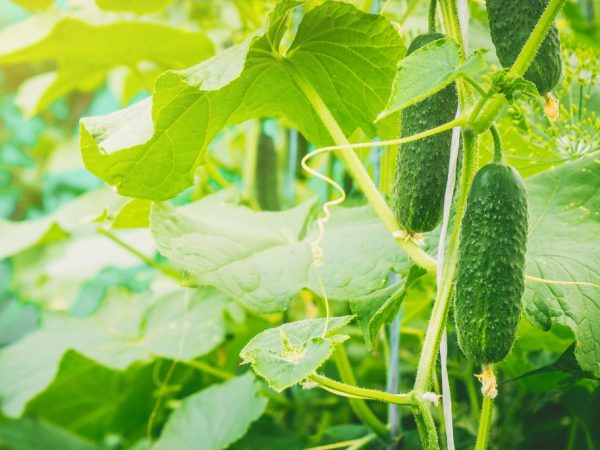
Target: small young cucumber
266,172
491,263
422,166
511,23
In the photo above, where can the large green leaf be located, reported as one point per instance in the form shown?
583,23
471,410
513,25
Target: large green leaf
214,418
151,149
34,434
564,244
288,354
126,329
261,259
428,70
85,46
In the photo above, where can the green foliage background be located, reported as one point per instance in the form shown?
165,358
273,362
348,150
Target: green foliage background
122,319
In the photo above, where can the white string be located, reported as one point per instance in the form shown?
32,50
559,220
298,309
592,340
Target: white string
446,394
463,18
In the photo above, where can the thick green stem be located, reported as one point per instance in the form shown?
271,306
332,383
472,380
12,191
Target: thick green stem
450,12
359,406
363,393
425,425
437,322
360,174
482,121
485,421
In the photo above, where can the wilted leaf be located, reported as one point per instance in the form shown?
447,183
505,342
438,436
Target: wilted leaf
286,355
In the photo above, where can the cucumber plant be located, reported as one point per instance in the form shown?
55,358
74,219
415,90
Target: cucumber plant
261,272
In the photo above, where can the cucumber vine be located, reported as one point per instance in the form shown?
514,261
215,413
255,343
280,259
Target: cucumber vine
480,118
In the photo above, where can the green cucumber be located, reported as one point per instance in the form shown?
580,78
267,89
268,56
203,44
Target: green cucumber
491,263
511,23
422,166
266,174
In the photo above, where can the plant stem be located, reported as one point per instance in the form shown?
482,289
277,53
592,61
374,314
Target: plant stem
364,393
432,10
485,420
425,425
168,271
468,378
572,434
483,120
203,366
359,173
497,143
437,322
450,12
359,406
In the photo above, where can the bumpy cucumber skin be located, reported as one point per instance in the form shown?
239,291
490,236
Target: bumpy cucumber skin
511,23
491,263
266,174
422,166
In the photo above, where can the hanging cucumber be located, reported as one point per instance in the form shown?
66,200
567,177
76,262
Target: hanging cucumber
422,166
511,23
490,271
266,173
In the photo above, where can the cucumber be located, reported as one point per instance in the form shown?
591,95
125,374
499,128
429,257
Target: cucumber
266,174
422,166
491,262
511,23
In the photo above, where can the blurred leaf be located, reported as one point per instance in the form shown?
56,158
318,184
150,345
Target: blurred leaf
16,319
288,354
215,417
124,330
566,363
99,398
378,308
348,57
18,236
262,259
52,275
126,213
35,434
34,4
585,30
86,46
136,6
564,246
93,291
428,70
